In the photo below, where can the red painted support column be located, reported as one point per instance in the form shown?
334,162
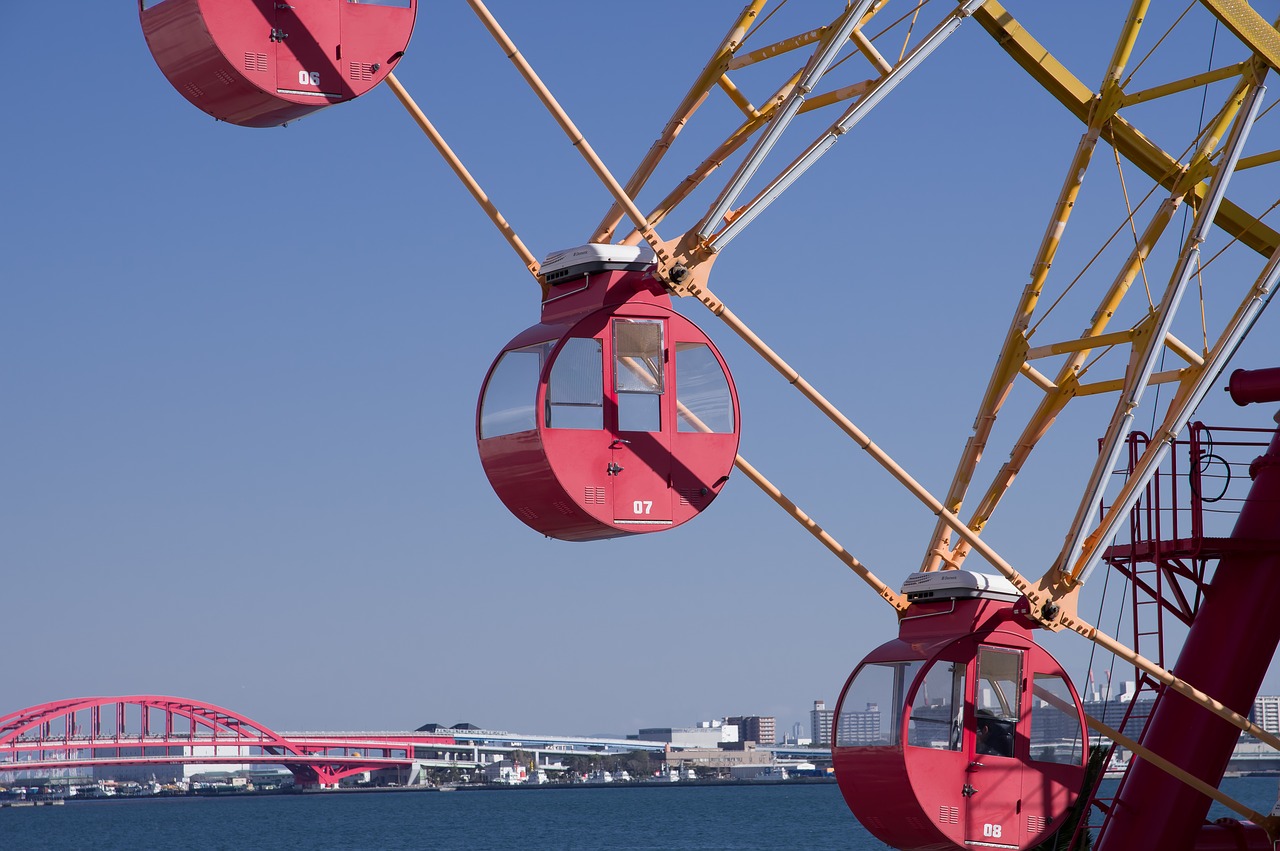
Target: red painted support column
1226,653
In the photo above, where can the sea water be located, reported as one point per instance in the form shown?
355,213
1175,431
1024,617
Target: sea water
659,817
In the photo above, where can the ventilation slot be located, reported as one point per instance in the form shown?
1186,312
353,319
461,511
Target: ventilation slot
696,497
1036,824
527,513
948,815
593,496
360,71
255,62
563,509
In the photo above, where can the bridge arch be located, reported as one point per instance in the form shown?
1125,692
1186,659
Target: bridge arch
157,729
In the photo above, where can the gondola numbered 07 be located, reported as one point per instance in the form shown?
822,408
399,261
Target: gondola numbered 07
614,415
261,63
963,731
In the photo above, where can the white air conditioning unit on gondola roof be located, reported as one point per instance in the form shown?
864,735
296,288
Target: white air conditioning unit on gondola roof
958,585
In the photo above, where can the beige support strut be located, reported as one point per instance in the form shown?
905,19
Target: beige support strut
878,585
526,256
571,130
1269,823
886,593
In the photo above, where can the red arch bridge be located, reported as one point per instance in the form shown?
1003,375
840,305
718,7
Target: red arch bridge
155,730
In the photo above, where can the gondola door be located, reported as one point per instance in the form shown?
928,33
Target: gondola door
303,32
640,470
993,787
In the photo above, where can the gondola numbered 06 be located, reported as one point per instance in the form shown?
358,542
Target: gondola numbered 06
261,63
614,415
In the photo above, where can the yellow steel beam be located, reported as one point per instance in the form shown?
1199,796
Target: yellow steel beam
717,157
1183,181
1014,350
709,76
1117,384
1115,338
834,96
796,42
1192,82
1250,27
1047,412
1137,148
776,49
1257,160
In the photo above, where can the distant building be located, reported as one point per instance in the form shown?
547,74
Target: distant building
728,731
860,728
684,737
820,718
1266,713
1112,713
761,729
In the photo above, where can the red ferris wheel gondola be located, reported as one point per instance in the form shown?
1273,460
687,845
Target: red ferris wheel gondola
963,731
614,415
260,63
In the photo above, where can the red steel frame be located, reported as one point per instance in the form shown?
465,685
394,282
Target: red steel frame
1233,636
71,733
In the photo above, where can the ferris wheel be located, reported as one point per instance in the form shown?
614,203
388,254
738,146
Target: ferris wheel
615,415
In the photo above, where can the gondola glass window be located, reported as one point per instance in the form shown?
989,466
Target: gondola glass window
575,393
997,699
937,712
871,712
509,397
1055,722
638,375
703,401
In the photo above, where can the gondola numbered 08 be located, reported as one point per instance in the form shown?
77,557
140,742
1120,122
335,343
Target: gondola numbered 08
614,415
261,63
963,731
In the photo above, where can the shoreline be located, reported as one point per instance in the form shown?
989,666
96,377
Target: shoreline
373,790
637,784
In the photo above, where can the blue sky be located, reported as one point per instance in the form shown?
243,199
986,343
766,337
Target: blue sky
241,366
